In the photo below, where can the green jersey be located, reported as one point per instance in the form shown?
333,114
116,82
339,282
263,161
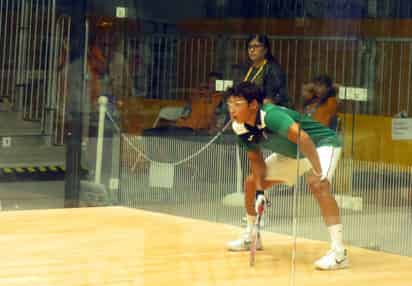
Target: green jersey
271,129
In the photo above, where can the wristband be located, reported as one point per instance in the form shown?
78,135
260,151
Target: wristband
259,192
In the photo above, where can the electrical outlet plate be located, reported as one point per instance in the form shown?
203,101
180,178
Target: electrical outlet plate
357,203
401,128
120,12
227,84
161,175
219,85
6,142
361,94
349,202
114,184
353,93
223,85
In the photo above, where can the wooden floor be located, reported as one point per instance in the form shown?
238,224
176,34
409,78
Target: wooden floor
120,246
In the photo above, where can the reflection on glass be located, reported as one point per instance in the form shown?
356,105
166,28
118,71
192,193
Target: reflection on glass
126,103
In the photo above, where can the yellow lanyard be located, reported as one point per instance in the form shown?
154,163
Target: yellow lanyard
257,73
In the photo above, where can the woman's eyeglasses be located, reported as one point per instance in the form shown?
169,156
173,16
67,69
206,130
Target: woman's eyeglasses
256,46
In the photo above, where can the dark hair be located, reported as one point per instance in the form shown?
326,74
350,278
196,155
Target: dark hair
323,79
327,81
247,90
217,75
263,39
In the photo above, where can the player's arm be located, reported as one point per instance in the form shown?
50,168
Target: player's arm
287,127
254,155
306,146
258,166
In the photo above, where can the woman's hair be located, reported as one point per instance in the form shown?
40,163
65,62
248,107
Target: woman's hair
215,74
264,40
328,82
323,79
247,90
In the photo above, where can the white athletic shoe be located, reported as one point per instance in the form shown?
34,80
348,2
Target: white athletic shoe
333,260
243,243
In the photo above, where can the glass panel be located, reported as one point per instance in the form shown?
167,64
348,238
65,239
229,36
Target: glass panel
367,64
128,104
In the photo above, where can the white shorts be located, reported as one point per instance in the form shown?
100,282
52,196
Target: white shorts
285,169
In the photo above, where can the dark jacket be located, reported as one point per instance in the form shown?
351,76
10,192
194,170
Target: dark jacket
272,81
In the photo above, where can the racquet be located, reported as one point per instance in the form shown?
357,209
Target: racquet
255,233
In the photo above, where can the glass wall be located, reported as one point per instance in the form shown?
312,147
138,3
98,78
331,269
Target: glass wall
369,63
128,103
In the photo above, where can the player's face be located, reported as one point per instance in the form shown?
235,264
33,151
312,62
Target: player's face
240,110
321,89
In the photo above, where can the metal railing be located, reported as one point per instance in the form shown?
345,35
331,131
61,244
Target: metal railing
310,9
57,99
169,66
393,76
33,74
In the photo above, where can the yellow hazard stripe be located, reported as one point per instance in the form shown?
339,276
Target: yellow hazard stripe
31,169
19,170
43,169
34,169
7,170
53,169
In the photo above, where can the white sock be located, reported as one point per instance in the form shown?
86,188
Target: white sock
336,237
251,220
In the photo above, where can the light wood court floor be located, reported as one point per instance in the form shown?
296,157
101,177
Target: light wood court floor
121,246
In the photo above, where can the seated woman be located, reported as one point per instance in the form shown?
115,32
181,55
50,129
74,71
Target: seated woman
198,117
320,100
202,108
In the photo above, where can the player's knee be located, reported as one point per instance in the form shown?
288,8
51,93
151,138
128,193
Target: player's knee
318,192
320,189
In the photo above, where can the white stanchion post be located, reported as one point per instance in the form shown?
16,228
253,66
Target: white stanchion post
236,199
238,172
100,136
